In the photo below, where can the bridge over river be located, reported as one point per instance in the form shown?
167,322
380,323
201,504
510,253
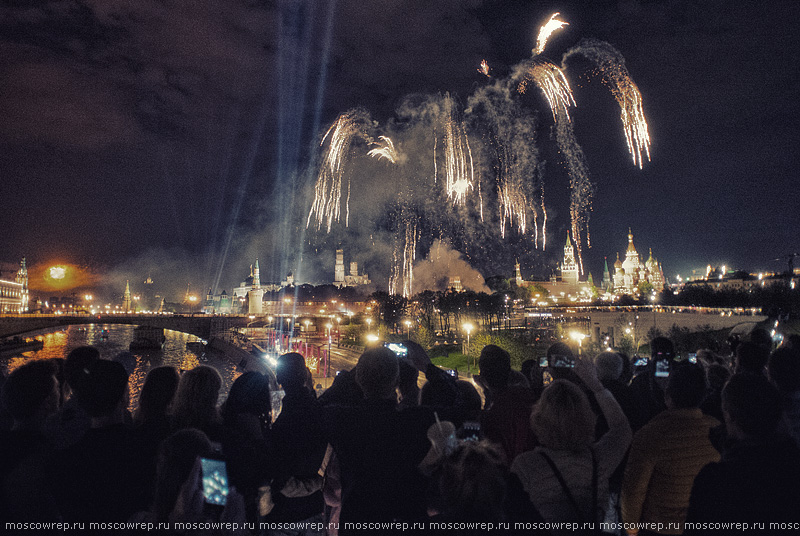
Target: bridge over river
202,326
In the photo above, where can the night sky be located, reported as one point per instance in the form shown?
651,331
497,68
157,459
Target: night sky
180,139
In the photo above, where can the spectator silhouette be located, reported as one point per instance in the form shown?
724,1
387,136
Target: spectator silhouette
408,384
716,376
751,357
647,388
30,395
66,427
378,447
176,458
667,453
783,370
246,416
758,478
566,476
151,419
627,369
761,337
195,404
299,441
610,366
534,373
103,477
179,490
505,419
472,485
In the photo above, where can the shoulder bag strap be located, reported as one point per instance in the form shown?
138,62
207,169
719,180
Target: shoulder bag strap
564,486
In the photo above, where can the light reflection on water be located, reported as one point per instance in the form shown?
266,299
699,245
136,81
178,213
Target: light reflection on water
62,342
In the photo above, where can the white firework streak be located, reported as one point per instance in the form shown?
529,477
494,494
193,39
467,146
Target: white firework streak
612,66
459,174
546,31
409,255
581,187
551,80
512,199
385,150
544,223
328,189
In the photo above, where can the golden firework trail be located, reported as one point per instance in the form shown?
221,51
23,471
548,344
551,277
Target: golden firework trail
459,174
547,76
551,80
581,187
511,198
544,225
484,69
385,150
328,189
546,31
612,66
409,255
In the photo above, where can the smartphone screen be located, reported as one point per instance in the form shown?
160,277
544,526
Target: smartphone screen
662,368
399,349
452,372
543,361
693,358
640,362
561,361
215,481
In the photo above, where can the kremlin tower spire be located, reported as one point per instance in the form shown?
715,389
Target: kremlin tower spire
256,277
126,298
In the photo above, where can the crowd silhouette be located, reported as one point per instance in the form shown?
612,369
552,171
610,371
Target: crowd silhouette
610,444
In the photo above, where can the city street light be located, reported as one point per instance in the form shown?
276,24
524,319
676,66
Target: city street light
468,328
328,359
408,329
578,337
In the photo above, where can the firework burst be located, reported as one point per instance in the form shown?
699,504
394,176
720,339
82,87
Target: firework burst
612,66
385,150
328,190
488,151
459,173
546,31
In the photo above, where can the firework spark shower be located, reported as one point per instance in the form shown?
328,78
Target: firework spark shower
454,157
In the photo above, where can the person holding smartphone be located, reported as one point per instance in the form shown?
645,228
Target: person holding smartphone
184,492
649,385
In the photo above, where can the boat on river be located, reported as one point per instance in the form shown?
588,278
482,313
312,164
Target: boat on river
147,338
17,345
